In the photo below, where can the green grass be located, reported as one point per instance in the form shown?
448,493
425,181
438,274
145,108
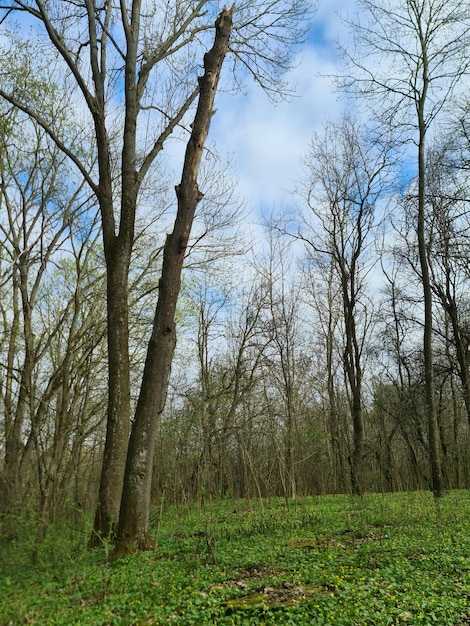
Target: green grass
376,560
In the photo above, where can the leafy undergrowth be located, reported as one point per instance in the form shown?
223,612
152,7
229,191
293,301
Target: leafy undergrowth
376,560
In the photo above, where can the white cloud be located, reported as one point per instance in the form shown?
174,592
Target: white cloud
266,140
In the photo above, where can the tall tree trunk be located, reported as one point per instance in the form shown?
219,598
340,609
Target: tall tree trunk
118,414
13,420
117,251
431,411
333,419
462,351
133,529
353,371
357,454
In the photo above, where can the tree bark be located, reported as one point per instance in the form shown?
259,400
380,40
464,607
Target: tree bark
133,529
353,371
431,411
117,250
118,413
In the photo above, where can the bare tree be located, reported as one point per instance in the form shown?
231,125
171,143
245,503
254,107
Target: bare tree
398,378
447,203
346,175
50,312
410,57
322,294
213,409
281,359
135,67
133,530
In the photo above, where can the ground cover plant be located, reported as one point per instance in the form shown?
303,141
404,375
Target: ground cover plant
373,560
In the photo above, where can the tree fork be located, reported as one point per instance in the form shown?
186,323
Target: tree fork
133,528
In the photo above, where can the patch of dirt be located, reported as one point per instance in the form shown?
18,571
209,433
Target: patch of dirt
258,571
335,541
358,537
287,595
243,578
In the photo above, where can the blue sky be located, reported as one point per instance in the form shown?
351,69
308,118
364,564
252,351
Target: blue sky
266,140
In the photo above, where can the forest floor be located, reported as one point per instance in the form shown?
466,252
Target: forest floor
375,560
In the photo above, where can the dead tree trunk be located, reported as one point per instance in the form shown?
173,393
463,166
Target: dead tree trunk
135,505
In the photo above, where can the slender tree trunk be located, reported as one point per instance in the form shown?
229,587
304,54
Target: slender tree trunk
353,372
462,353
333,425
12,420
358,444
133,530
15,449
291,487
117,250
433,430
